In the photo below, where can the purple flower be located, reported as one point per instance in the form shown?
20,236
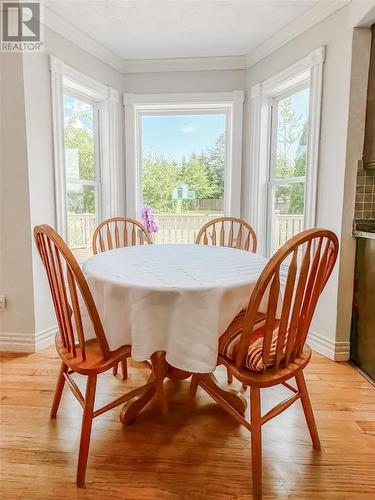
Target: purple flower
149,220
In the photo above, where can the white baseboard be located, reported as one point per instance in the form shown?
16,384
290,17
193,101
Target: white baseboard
45,338
338,351
17,342
27,342
21,342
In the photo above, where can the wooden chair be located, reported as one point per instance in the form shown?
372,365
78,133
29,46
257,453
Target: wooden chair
71,294
116,233
119,232
228,232
267,349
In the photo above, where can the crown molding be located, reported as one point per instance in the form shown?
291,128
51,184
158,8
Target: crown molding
301,24
56,23
184,64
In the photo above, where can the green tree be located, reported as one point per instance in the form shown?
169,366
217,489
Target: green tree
80,138
194,172
160,177
215,160
203,173
297,192
289,130
290,156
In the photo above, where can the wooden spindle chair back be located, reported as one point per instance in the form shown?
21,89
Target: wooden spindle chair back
291,289
230,232
80,353
119,232
67,283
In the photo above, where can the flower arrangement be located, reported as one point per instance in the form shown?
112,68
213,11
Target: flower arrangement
149,220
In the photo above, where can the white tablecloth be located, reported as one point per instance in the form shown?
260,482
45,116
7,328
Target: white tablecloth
176,298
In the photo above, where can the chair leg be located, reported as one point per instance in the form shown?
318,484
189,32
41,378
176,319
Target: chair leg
124,368
307,409
59,389
229,375
115,369
86,429
256,442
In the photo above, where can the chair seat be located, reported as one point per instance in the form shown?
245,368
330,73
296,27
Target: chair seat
229,343
270,376
94,358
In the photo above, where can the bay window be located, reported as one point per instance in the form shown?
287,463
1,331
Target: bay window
285,127
85,125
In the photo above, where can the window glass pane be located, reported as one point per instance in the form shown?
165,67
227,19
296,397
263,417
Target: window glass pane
79,138
288,210
81,191
183,172
82,219
292,134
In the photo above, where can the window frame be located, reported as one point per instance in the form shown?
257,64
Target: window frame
273,180
96,182
68,81
308,70
139,105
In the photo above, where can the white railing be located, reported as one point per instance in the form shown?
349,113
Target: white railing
81,227
176,228
286,226
180,228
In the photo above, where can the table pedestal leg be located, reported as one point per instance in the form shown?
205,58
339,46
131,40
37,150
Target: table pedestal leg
131,409
231,400
159,372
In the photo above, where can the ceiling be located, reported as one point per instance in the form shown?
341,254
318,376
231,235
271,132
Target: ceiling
165,29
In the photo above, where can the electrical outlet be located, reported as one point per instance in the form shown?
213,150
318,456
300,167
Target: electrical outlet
3,302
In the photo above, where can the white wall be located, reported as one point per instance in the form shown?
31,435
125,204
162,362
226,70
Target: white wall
16,280
354,150
336,32
41,182
184,81
27,190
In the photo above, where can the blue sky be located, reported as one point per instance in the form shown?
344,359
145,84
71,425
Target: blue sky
300,102
73,105
176,136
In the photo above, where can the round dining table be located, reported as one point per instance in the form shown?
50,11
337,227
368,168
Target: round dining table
171,303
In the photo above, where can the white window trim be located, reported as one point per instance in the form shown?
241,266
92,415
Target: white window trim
230,103
63,78
310,68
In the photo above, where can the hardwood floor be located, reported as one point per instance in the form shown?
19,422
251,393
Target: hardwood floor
190,454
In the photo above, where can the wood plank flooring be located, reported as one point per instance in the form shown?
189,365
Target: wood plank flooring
190,454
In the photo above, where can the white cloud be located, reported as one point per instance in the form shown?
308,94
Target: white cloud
188,128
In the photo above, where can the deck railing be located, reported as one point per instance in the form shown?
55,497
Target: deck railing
180,228
81,227
286,226
176,228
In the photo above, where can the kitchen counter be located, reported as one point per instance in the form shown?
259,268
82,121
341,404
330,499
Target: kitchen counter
364,228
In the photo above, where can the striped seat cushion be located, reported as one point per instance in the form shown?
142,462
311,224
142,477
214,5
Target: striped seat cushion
230,340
